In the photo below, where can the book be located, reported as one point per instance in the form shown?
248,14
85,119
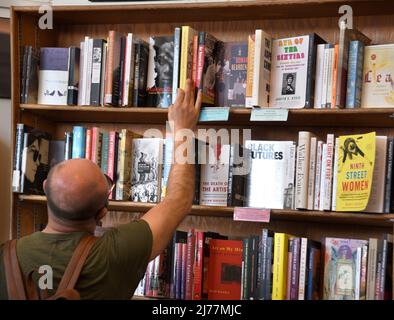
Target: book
128,83
68,139
79,142
250,72
214,176
302,169
104,152
262,69
224,277
274,160
97,137
355,74
377,90
34,165
319,75
56,152
345,36
340,268
73,75
53,76
21,129
279,266
160,72
335,176
239,164
389,175
112,68
140,73
186,59
88,144
175,68
231,77
146,170
314,272
319,157
328,172
97,61
312,172
30,88
293,71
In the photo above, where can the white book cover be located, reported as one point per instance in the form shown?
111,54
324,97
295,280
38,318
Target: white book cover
89,72
329,76
322,179
335,176
312,173
214,176
303,268
319,75
318,174
53,76
273,160
289,72
358,274
103,71
262,71
325,75
376,198
328,172
81,98
302,170
85,62
128,84
146,170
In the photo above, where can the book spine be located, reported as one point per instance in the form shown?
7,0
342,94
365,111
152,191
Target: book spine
88,77
189,264
173,278
141,72
68,138
186,34
355,74
328,172
195,58
295,269
137,63
279,267
79,140
81,85
104,152
96,145
258,292
16,177
127,69
253,266
183,274
371,269
325,75
334,76
289,266
319,76
384,269
303,262
264,263
318,174
198,266
322,177
312,173
258,49
357,274
200,58
103,74
268,288
335,176
389,174
178,293
310,271
73,66
110,66
111,154
175,70
245,270
250,72
117,81
121,180
23,74
88,144
97,60
302,172
84,79
329,76
363,272
311,69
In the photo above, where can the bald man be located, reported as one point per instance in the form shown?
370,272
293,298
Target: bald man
77,194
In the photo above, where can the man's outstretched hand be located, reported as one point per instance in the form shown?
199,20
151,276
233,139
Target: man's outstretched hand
185,111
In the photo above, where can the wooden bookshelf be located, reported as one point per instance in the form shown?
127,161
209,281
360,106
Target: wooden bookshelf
228,21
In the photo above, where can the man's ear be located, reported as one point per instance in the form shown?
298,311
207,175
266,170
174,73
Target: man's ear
45,185
101,214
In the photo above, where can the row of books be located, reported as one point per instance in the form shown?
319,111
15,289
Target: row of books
206,265
296,72
261,174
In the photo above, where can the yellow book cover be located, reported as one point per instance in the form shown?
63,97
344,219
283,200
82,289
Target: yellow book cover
250,72
279,279
185,70
356,159
378,87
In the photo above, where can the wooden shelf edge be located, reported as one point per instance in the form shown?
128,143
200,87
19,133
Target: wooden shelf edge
370,219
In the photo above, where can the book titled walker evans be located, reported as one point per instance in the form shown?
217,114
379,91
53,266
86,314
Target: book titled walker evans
146,170
270,182
160,72
293,71
53,76
340,268
378,86
225,268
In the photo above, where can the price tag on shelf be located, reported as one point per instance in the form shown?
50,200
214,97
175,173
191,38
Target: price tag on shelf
214,114
252,214
269,114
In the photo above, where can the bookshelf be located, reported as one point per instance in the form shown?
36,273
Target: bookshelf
228,21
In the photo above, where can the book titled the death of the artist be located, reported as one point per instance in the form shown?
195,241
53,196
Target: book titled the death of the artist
378,86
146,169
160,72
53,76
270,182
293,71
342,268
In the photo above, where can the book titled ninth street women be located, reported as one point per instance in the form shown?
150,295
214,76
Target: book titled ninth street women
293,71
270,182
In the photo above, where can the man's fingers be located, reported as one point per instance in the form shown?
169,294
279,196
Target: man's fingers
179,96
197,105
188,90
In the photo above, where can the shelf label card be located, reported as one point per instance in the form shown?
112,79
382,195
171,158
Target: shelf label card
269,114
214,114
252,214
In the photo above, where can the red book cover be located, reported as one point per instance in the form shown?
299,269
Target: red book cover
198,265
88,147
111,156
225,265
200,63
195,58
191,237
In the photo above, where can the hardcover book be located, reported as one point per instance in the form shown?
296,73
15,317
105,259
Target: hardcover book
275,161
377,90
355,74
140,73
53,76
147,170
293,71
160,72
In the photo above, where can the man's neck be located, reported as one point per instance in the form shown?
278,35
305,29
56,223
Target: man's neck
58,226
66,229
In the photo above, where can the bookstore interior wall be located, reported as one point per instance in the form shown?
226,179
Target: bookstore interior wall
71,25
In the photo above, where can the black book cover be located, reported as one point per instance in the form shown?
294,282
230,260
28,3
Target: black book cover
73,76
389,174
140,73
23,68
31,81
56,152
97,60
117,74
68,145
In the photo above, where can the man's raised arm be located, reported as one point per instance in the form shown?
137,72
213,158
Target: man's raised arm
164,218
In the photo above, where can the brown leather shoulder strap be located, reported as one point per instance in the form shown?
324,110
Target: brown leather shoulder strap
14,278
76,263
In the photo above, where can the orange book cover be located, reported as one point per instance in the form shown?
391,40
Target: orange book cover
224,272
334,76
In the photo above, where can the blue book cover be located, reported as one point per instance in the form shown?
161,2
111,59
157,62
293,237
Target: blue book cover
354,76
79,138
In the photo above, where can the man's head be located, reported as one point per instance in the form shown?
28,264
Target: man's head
77,191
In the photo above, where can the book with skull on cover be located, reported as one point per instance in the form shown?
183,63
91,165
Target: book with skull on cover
147,170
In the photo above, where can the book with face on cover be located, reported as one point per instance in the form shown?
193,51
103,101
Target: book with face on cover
146,169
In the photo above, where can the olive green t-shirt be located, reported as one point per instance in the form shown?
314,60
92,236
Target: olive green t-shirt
113,269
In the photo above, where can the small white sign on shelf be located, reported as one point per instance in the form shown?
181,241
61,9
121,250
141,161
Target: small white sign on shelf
214,114
269,114
252,214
